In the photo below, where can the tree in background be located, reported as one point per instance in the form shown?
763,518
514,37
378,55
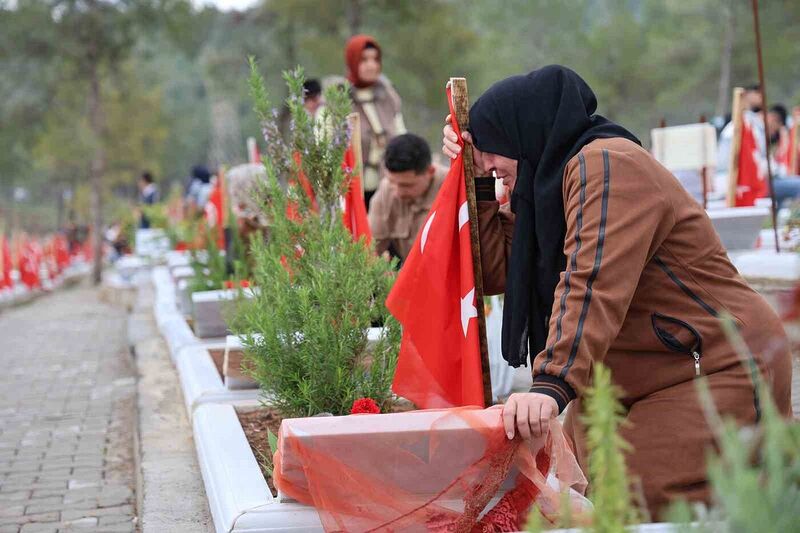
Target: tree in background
646,59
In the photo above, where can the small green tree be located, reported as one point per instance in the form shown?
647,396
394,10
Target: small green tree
319,290
610,487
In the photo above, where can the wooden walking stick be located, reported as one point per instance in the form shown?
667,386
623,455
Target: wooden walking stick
764,108
736,145
461,107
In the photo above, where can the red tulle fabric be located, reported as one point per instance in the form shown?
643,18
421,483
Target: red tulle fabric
440,471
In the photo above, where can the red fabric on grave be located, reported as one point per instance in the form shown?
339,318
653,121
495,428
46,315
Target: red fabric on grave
440,478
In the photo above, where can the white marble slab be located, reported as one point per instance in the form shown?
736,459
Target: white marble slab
766,264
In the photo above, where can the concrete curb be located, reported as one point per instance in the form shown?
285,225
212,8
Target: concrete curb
170,493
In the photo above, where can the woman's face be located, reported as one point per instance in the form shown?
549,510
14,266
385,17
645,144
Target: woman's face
369,68
503,168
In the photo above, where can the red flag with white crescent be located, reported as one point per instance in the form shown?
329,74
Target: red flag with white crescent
434,300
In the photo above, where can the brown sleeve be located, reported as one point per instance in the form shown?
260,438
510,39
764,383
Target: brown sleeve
496,227
616,218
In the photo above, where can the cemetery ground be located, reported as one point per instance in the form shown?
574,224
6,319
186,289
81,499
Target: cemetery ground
71,436
94,434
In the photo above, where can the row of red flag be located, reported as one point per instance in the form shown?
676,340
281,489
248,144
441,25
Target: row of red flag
28,256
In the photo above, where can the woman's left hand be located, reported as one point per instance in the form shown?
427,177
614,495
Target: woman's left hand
529,413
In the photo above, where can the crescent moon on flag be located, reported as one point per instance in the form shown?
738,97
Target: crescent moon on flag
425,231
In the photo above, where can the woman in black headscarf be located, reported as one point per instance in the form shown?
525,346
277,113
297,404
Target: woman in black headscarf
605,257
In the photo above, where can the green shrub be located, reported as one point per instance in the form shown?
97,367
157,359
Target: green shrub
319,291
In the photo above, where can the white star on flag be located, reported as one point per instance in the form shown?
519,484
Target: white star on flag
463,215
468,310
425,231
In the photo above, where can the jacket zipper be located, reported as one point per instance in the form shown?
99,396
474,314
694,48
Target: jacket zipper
673,344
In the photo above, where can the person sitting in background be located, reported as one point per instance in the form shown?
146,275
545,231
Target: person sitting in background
787,186
198,189
405,196
377,103
148,195
245,198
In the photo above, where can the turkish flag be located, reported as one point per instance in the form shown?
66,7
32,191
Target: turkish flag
62,253
29,265
215,210
751,183
354,209
434,300
5,263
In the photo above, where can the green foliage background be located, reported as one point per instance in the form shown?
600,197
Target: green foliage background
173,75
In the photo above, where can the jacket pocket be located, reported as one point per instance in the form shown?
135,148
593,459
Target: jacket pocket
678,336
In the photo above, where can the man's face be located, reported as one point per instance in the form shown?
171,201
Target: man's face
369,68
409,185
142,184
753,101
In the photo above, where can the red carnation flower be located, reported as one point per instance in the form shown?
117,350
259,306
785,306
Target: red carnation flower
365,406
227,284
244,284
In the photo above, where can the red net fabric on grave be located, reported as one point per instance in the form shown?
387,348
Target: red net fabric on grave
421,471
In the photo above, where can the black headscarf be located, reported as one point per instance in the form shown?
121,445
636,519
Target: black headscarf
542,120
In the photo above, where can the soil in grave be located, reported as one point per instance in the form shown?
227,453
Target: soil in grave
257,422
218,356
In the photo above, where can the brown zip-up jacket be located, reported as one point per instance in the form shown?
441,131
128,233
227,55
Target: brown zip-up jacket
646,281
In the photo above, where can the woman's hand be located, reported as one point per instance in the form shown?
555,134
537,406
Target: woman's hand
450,146
529,413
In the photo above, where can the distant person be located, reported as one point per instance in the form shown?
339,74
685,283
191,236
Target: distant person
752,102
198,189
787,186
246,201
148,195
312,97
378,104
404,197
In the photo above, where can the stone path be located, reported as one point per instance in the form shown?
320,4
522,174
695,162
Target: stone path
67,413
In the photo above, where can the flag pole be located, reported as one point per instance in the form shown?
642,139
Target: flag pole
461,107
354,120
736,144
761,82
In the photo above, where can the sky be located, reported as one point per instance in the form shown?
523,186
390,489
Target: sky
226,4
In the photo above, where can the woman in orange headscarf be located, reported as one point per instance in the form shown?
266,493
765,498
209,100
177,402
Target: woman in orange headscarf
375,99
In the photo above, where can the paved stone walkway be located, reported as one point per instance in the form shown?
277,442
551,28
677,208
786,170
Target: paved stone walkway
67,412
